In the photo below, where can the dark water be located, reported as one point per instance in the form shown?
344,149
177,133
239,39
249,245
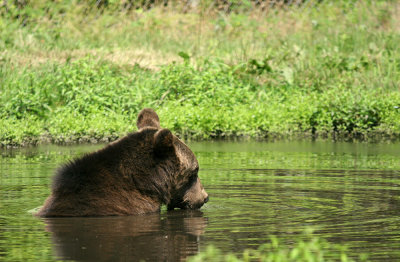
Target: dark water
348,192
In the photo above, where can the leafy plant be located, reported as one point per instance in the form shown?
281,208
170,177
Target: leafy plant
71,71
305,248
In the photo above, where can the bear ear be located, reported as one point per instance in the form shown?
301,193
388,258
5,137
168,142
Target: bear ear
148,118
163,142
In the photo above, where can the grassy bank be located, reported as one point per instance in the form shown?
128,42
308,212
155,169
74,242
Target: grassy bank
73,73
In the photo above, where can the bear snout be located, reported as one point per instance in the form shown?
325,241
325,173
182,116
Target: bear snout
194,198
205,195
193,202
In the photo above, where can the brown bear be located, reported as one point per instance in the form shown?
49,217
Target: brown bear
133,175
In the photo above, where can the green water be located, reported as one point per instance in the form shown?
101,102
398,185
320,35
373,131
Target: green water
348,192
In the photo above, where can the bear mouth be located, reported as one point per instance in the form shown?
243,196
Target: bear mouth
185,205
181,205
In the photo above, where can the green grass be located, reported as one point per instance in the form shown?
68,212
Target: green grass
307,248
71,72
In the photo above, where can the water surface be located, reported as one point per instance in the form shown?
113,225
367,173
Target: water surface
348,192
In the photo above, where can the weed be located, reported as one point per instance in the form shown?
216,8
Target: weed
305,248
69,71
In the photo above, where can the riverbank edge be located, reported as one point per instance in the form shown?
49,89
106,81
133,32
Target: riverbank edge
371,137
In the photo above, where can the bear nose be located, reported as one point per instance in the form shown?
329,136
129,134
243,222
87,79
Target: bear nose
206,199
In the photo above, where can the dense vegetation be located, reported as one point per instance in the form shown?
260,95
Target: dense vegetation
308,249
70,71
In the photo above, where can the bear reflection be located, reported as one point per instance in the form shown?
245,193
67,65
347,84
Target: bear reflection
155,237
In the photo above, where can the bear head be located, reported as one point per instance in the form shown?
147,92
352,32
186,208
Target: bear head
176,161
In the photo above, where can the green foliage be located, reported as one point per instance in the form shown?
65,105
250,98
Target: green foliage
308,248
84,86
71,73
97,100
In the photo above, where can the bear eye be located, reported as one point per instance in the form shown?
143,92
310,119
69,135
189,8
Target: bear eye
193,178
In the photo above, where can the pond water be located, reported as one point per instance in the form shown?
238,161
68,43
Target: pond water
349,193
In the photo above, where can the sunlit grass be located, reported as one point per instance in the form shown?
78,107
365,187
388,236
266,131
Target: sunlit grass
307,248
67,68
